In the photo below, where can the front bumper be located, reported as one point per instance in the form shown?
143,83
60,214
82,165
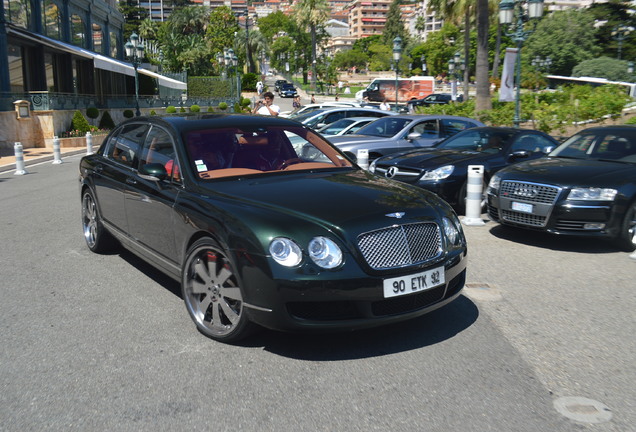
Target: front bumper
349,303
595,219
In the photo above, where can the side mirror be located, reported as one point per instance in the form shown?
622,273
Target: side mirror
520,154
548,149
413,136
153,172
320,125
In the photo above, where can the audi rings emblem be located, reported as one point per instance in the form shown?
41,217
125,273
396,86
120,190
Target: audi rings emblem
391,172
525,192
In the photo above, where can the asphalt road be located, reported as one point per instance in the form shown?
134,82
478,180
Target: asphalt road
104,343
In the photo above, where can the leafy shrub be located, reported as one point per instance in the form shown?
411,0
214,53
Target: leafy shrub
245,102
153,112
195,108
79,123
182,109
106,122
171,109
631,121
248,82
223,106
128,114
211,109
92,113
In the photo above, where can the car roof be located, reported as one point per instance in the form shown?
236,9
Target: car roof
198,121
433,117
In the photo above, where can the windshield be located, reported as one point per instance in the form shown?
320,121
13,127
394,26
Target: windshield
336,127
609,144
476,140
307,114
384,127
231,152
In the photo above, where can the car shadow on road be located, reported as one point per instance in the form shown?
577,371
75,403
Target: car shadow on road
555,242
430,329
435,327
160,278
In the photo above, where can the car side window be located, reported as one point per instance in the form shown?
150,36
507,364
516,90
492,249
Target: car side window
159,148
530,143
425,128
451,127
127,145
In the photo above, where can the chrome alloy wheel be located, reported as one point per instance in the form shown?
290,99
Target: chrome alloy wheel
90,222
211,293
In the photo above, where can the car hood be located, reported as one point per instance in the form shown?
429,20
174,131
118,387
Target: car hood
427,158
352,202
563,171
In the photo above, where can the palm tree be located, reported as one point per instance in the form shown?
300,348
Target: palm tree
482,83
312,13
455,11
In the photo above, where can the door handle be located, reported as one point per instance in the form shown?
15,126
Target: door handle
131,181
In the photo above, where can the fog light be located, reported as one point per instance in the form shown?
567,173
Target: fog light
594,226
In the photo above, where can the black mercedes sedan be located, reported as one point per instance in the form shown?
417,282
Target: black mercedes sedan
585,187
443,168
258,235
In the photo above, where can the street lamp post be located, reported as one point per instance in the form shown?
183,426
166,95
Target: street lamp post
456,66
514,14
619,34
135,53
247,36
397,54
543,64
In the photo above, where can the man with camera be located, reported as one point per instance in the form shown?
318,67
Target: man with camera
266,106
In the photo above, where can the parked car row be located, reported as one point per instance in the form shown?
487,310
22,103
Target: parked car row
586,186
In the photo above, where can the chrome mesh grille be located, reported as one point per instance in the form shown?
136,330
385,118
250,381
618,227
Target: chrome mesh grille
523,218
400,245
530,192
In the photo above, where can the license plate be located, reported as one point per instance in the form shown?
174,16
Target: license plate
413,283
521,207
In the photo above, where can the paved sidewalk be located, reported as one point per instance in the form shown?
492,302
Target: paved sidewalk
33,156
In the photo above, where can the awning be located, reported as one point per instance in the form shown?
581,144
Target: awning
99,61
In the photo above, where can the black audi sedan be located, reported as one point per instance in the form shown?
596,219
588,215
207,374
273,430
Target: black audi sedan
585,187
258,235
443,168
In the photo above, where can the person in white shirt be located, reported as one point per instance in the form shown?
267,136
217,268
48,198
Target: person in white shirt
384,106
266,106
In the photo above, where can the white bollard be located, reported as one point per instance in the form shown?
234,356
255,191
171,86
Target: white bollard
89,143
57,156
474,195
363,158
19,159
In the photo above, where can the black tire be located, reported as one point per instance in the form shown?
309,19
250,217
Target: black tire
626,239
212,294
98,239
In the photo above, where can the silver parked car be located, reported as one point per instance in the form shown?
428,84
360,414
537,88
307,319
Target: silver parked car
402,132
323,116
345,126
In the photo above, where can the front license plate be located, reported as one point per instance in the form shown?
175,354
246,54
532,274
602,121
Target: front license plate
413,283
521,207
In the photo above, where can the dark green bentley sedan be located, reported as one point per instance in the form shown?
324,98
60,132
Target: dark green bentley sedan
258,234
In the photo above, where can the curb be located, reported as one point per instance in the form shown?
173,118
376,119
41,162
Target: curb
37,160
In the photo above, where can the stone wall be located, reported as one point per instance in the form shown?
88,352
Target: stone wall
39,129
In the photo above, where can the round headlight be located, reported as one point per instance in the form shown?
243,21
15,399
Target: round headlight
325,252
285,252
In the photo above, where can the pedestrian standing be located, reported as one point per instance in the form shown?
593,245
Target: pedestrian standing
266,106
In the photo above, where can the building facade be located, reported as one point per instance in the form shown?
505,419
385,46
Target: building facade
63,55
